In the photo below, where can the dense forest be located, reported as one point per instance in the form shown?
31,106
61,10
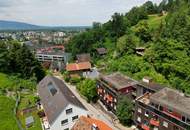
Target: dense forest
163,30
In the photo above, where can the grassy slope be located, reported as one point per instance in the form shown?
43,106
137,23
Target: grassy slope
154,20
5,81
7,118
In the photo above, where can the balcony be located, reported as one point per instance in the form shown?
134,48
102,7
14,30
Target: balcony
145,127
154,122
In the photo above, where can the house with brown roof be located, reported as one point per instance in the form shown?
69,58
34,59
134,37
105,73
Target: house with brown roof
88,123
60,105
78,69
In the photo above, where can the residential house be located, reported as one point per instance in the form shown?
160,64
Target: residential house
61,107
167,109
78,69
110,87
88,123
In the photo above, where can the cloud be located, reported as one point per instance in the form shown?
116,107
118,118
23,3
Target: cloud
64,12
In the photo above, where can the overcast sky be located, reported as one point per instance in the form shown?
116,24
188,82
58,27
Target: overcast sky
64,12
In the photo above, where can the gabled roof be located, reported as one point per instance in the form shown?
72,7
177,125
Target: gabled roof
86,123
173,100
78,66
83,57
54,105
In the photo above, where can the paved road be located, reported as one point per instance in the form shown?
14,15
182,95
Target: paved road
94,112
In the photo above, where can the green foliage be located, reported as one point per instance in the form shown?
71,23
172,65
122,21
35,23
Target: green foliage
136,14
127,44
74,80
124,111
15,83
165,37
7,120
18,59
171,60
87,88
143,32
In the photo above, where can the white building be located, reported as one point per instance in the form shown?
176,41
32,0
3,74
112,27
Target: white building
61,107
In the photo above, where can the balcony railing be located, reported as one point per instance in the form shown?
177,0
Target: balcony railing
163,115
154,122
145,127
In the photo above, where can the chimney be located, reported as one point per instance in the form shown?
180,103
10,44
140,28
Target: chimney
95,127
147,79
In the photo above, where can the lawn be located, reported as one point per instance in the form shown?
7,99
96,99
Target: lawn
37,123
7,118
5,81
28,100
154,21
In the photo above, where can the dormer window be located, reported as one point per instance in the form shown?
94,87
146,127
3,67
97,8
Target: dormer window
52,89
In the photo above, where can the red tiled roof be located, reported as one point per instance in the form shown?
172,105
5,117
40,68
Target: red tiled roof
85,123
78,66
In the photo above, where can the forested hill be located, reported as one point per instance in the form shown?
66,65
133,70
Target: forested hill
163,30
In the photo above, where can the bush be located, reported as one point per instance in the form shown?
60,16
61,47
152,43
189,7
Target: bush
75,80
87,88
124,111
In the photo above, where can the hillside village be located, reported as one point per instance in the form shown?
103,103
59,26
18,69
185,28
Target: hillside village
130,73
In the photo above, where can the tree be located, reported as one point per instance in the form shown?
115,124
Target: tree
136,14
150,7
118,25
18,59
142,30
124,110
87,88
126,44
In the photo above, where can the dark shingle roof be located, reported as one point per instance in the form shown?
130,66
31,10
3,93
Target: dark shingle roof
54,105
173,100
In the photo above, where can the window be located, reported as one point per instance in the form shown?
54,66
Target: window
170,111
139,110
145,122
64,122
183,118
165,124
138,119
75,117
52,89
68,111
161,108
188,120
146,113
115,107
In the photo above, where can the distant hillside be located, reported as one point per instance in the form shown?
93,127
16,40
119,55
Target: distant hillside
13,25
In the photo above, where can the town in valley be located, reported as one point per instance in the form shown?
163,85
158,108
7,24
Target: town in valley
130,72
